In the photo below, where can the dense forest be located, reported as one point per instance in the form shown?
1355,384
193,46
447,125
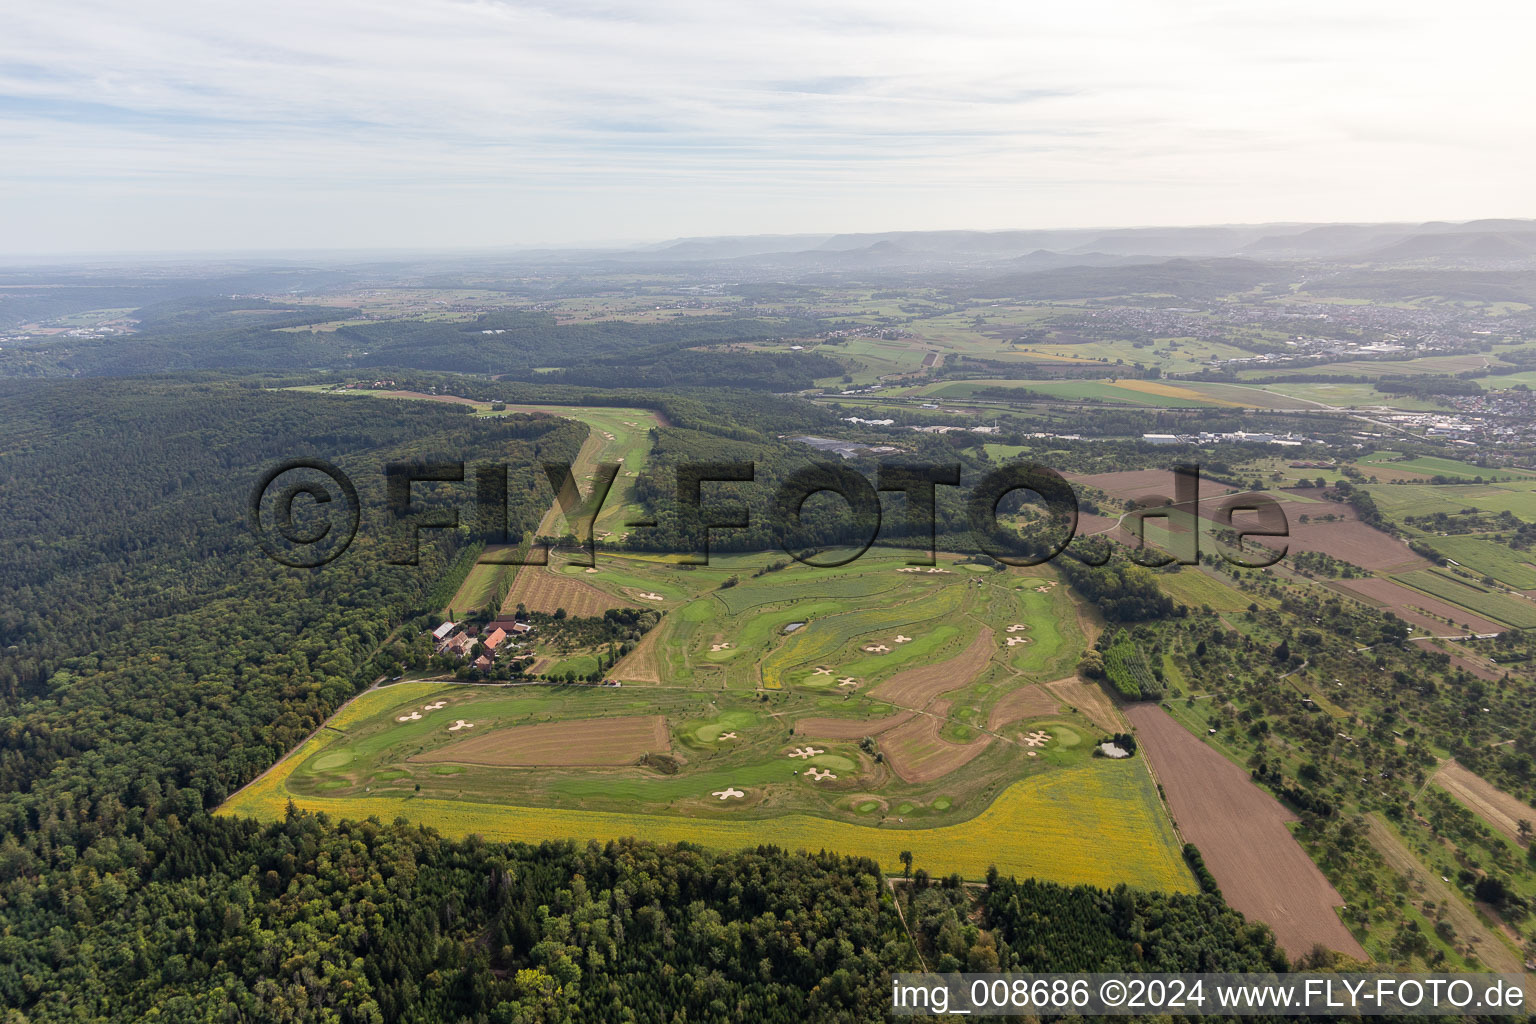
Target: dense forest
227,334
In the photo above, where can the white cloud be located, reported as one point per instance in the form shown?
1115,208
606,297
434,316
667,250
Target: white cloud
434,122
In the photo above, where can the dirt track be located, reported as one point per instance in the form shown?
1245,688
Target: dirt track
1241,832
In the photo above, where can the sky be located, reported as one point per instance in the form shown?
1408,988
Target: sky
164,125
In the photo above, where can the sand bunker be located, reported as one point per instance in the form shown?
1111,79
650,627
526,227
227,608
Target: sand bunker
719,647
847,681
820,671
806,752
414,716
728,793
819,775
877,648
461,724
900,639
1014,641
1016,627
1038,738
727,735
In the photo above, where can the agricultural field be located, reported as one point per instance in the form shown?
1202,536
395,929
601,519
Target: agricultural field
1424,611
872,708
1437,365
1241,832
616,435
1123,390
1489,557
1499,809
1436,466
1348,395
1197,588
1504,381
1473,595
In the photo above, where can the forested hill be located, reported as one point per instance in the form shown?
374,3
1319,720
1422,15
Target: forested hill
150,650
228,335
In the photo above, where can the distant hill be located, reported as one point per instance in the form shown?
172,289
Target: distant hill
1191,279
1486,239
1493,244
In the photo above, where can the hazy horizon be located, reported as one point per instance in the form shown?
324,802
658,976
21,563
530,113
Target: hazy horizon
234,254
175,128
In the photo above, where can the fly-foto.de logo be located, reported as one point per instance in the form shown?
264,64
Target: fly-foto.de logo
306,512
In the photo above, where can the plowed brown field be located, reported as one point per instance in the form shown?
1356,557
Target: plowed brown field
1241,833
1025,702
917,752
1091,700
1415,607
915,687
542,590
848,728
595,741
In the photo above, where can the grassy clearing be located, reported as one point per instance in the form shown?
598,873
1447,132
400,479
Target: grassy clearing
1436,466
